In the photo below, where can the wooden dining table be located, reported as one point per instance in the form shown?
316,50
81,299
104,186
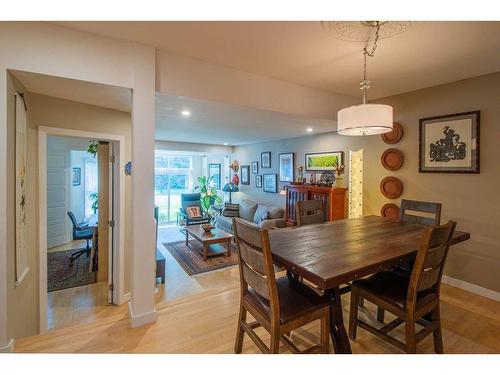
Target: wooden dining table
334,253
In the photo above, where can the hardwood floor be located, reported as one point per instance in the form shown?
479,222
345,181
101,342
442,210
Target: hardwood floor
206,323
199,314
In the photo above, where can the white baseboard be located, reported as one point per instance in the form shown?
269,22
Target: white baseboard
9,348
124,298
476,289
141,319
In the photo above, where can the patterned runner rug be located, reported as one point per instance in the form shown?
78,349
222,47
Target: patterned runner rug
61,276
192,261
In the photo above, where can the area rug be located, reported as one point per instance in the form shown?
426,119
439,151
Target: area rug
192,261
60,275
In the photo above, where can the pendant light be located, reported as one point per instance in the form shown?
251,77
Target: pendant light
365,119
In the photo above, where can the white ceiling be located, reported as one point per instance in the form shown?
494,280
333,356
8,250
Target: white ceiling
219,123
106,96
427,54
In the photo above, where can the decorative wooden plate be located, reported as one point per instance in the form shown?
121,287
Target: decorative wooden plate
392,159
390,211
391,187
394,136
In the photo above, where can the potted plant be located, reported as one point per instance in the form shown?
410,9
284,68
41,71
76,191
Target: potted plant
208,193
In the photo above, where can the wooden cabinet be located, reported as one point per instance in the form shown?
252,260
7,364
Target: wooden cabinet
334,199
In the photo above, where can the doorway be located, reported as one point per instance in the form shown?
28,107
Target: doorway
81,225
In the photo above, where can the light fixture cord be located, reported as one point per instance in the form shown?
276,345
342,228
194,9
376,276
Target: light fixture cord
365,84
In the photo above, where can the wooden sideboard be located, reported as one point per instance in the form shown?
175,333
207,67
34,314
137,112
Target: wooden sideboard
334,199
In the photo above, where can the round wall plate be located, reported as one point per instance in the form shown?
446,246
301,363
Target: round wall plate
390,211
394,136
392,159
391,187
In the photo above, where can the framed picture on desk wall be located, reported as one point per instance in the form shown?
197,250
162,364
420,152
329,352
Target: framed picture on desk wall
270,183
286,166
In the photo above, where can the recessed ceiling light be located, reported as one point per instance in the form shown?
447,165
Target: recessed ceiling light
186,113
309,129
225,143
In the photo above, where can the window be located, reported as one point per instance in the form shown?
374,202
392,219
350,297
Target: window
174,175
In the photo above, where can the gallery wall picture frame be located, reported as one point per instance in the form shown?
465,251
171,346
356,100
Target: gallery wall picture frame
449,143
286,162
265,159
76,176
270,183
255,167
214,170
245,174
258,181
323,161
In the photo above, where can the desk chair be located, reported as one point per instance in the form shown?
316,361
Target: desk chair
81,231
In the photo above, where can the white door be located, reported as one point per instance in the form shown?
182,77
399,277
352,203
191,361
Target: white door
59,227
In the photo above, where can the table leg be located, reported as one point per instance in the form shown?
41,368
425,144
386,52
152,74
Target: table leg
337,330
187,243
229,248
205,252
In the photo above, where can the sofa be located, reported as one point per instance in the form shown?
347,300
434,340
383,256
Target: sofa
261,215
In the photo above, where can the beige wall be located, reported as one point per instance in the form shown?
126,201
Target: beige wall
54,112
470,199
21,309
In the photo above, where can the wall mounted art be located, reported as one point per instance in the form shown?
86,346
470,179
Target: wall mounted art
392,159
258,181
450,143
265,159
390,211
324,161
270,183
286,166
395,135
391,187
255,167
245,175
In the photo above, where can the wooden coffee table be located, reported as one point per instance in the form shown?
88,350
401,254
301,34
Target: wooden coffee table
210,240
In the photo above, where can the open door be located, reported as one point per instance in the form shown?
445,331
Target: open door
105,220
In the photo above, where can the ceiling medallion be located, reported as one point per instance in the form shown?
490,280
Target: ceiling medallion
361,31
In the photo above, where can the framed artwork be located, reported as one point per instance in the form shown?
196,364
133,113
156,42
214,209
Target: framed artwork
323,161
21,259
286,166
265,159
255,167
258,181
76,176
270,183
245,174
449,144
214,171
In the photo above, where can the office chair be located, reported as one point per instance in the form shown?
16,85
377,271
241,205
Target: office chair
80,232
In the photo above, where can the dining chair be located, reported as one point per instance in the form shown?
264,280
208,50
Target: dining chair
408,298
418,212
278,305
310,212
425,213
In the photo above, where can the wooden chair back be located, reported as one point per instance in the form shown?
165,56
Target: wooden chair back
429,263
425,213
256,264
310,212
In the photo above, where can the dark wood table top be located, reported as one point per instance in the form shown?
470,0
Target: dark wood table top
338,252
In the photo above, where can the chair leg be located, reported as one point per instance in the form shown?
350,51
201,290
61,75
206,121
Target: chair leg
380,314
353,315
274,348
438,339
411,345
325,333
240,333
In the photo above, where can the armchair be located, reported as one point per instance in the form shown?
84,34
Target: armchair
193,200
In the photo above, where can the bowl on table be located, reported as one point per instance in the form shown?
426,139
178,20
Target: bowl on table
207,227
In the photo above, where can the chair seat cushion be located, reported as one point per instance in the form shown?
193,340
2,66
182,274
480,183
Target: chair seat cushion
392,287
296,299
84,234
